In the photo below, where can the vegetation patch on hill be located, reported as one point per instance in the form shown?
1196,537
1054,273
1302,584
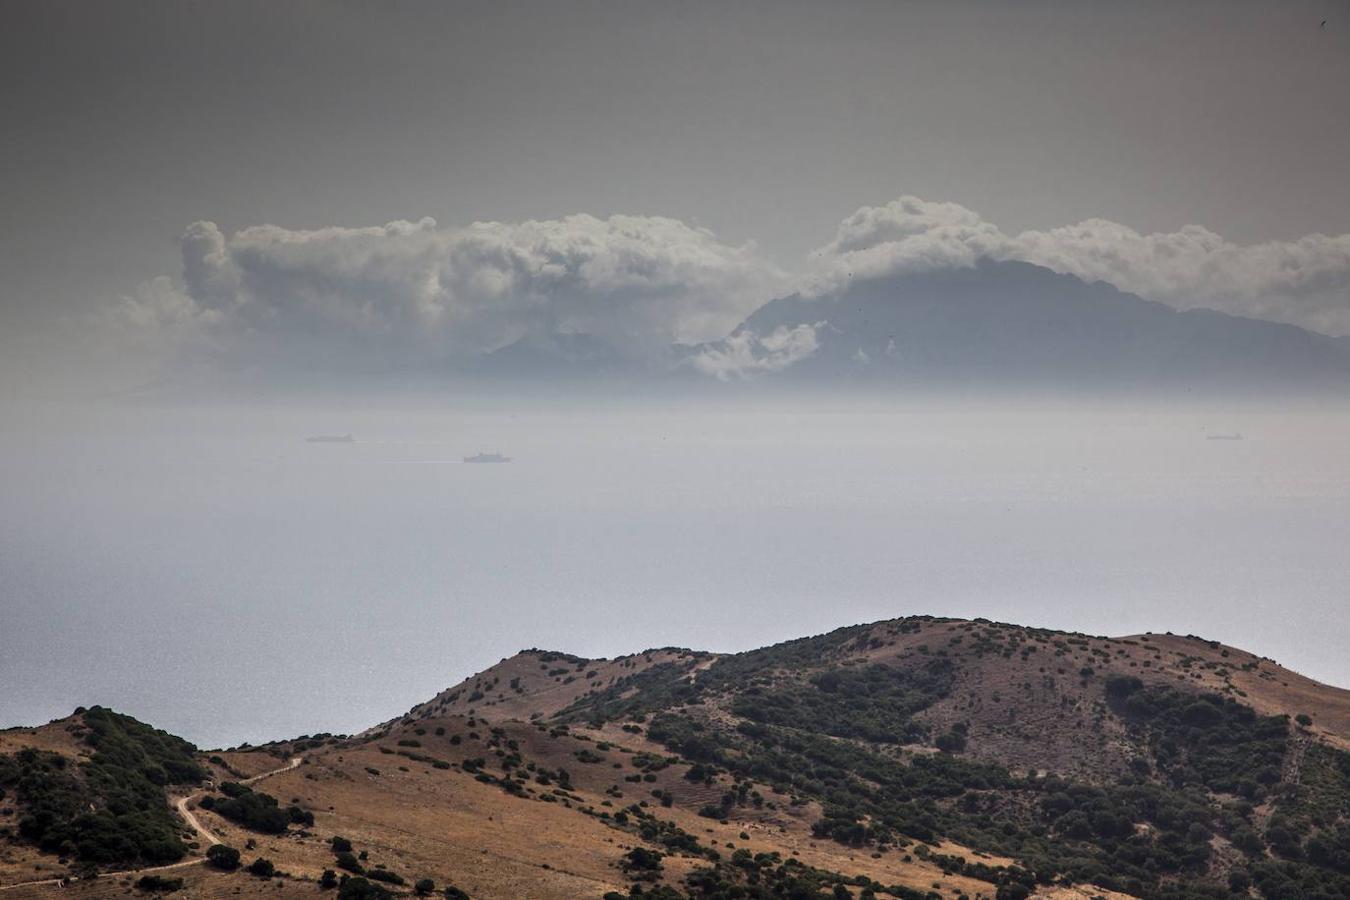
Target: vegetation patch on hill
254,809
815,724
112,808
874,703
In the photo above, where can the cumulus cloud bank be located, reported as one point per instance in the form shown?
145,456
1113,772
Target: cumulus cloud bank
417,293
745,353
413,293
1304,282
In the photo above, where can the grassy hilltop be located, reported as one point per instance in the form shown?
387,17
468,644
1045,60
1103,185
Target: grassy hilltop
913,758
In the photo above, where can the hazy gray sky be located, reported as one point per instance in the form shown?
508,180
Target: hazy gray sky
126,122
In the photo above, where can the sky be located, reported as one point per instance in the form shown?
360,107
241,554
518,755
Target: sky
767,124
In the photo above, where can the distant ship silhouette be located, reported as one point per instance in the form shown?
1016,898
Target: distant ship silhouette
1224,437
487,458
330,439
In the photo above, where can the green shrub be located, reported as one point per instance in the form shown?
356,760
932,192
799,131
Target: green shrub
384,875
873,703
110,809
640,859
357,888
254,810
345,860
951,742
1119,687
159,884
222,857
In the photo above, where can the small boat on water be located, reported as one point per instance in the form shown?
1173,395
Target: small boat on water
487,458
1224,437
330,439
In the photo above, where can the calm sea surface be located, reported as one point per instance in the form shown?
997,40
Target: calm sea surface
211,572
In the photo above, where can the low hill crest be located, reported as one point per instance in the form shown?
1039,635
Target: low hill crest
920,758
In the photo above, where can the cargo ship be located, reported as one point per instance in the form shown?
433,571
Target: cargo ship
487,458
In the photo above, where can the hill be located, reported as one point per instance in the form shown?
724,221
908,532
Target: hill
912,758
1018,325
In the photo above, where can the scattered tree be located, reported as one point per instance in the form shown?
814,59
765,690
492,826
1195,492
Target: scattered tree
221,856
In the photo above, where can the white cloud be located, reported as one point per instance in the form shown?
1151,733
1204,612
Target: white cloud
412,294
156,305
1304,282
745,353
905,235
415,292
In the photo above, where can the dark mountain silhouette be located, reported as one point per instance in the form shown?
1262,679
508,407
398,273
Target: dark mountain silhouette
1013,323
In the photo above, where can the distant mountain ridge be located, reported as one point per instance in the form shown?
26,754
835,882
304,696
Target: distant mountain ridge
1015,323
992,327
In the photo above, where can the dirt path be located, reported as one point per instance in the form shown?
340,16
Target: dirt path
188,816
191,819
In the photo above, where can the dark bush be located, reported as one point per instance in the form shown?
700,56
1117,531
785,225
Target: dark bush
254,810
358,888
300,816
263,868
345,860
384,875
159,884
234,789
222,857
1118,687
951,742
641,859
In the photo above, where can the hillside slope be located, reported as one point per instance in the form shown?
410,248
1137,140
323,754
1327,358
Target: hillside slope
918,757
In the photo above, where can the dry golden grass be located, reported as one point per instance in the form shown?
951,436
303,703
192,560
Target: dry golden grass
199,883
59,736
426,822
531,685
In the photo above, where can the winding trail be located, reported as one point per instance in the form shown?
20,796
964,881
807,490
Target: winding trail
188,816
181,804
